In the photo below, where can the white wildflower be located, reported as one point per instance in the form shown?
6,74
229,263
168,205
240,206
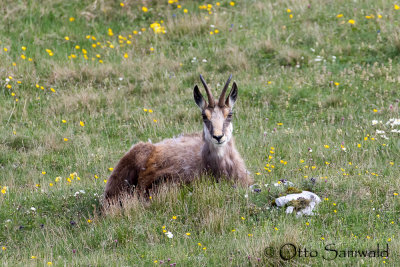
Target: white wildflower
169,234
393,122
318,58
384,136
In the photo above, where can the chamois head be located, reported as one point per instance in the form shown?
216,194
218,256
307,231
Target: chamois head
217,115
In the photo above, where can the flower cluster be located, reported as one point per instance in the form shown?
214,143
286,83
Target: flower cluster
157,28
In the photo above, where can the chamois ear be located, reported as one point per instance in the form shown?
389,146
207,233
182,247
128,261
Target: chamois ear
231,99
198,98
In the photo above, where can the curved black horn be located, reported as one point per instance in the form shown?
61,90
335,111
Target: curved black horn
209,95
221,101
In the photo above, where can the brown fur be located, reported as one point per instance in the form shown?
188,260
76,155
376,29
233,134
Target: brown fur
181,159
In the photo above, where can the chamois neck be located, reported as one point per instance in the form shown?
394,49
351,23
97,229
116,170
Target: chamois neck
218,150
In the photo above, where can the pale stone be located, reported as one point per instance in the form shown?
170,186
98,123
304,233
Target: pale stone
314,200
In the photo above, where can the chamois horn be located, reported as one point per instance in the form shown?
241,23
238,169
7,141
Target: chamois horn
221,101
209,95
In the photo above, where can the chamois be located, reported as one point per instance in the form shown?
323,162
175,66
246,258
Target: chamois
187,157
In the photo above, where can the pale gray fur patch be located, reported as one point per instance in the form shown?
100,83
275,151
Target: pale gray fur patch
228,132
207,135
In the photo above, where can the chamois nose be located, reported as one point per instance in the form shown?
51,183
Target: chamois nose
218,138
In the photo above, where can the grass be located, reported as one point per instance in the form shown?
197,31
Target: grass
310,85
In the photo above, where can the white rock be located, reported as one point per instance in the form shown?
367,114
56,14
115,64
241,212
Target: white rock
314,200
308,210
289,209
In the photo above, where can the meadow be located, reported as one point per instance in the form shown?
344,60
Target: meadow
318,105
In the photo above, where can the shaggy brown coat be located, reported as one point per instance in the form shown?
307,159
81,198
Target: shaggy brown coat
185,158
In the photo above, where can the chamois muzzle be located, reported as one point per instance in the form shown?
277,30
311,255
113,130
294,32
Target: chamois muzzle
218,138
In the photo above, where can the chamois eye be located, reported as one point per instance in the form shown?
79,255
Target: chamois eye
230,115
204,117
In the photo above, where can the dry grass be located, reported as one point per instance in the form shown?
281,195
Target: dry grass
288,100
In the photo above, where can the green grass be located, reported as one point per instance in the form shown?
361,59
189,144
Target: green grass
287,100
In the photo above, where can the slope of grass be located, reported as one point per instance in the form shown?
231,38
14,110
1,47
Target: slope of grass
78,80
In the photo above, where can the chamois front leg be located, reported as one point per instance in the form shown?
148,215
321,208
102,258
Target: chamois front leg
243,176
246,179
125,175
